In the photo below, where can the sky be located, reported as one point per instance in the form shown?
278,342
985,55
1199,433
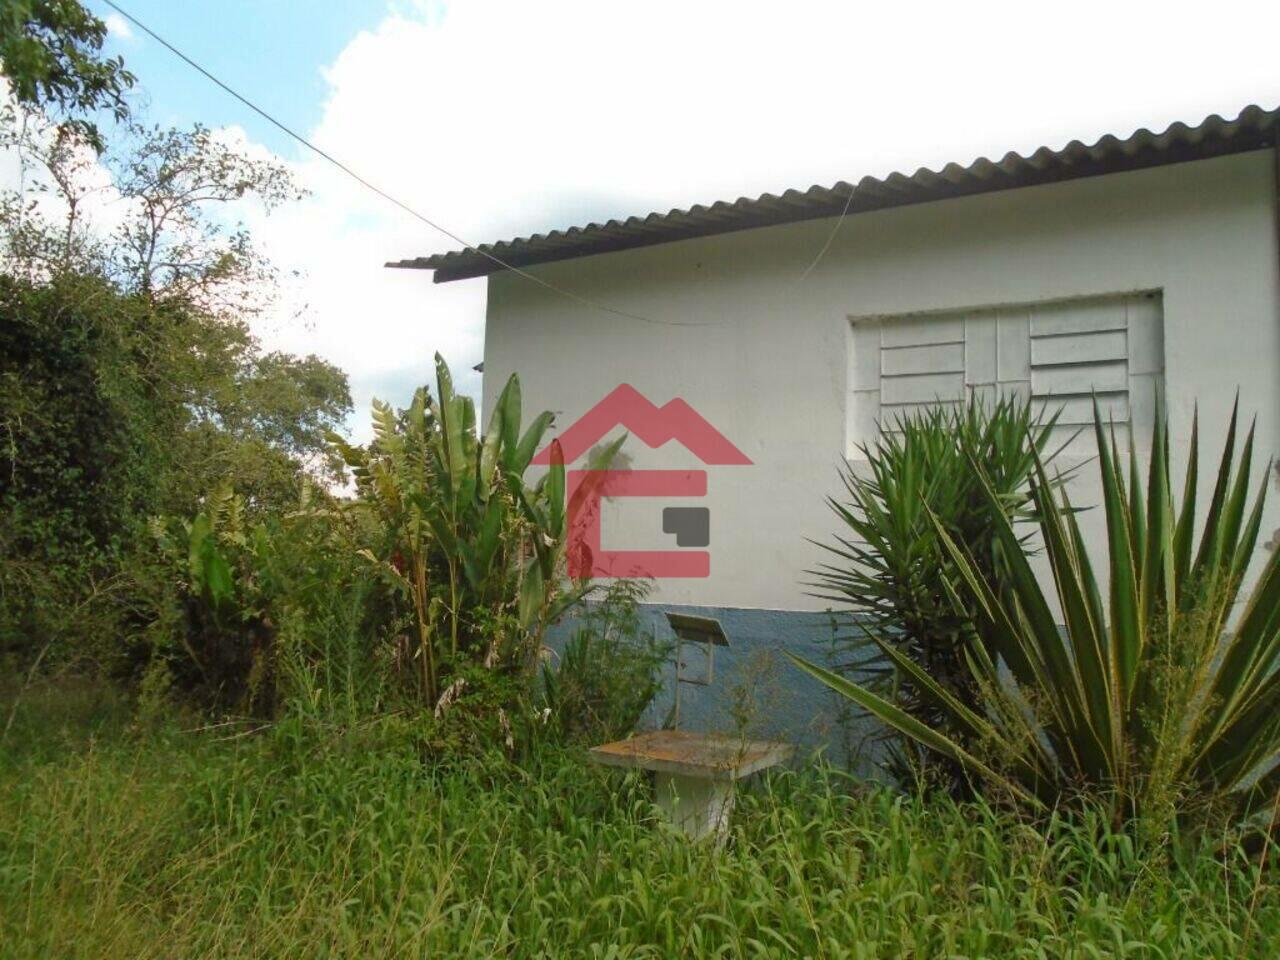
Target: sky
499,118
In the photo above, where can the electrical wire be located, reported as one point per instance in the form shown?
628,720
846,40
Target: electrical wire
569,294
832,235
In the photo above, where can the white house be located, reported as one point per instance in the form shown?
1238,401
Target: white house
1150,262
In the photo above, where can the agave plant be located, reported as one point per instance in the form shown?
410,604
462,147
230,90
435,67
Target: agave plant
883,573
1158,694
477,550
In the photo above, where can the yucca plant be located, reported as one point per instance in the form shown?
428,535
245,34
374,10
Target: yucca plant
477,550
1150,696
883,572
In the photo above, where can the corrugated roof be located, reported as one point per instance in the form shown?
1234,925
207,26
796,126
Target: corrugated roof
1253,129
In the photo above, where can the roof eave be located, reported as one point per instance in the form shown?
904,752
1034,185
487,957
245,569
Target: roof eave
1254,129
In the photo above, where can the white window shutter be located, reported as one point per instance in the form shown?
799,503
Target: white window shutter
1061,354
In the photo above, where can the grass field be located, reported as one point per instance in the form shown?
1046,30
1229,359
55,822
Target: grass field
315,843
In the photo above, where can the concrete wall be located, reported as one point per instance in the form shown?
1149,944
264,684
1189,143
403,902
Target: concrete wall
763,354
756,691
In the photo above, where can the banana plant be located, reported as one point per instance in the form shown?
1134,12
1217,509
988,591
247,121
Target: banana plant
1158,694
220,558
472,544
488,523
201,547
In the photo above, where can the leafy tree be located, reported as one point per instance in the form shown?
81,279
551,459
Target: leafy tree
130,383
51,53
169,245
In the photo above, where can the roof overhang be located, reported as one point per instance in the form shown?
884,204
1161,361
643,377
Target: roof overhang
1254,129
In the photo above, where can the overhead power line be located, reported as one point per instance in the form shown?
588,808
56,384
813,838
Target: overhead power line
284,128
832,235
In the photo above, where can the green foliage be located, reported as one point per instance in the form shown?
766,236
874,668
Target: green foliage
477,552
227,633
84,431
212,844
82,436
608,673
122,399
113,409
885,572
168,247
275,611
50,52
1150,698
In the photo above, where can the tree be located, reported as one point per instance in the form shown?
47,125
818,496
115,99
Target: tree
130,382
169,245
51,52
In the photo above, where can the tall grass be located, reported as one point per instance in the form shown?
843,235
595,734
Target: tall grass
116,842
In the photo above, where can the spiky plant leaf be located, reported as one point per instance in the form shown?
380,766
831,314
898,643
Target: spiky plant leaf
1145,697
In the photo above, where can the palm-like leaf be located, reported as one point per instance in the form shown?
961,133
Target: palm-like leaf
885,572
474,542
1143,694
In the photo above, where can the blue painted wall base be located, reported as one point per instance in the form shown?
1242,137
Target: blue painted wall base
756,689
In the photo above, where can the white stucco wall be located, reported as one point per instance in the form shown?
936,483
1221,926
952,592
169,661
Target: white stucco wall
766,358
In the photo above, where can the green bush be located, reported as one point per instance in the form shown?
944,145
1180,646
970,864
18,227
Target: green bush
430,589
608,673
473,554
1152,698
273,610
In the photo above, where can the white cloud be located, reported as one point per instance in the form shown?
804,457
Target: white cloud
501,117
118,27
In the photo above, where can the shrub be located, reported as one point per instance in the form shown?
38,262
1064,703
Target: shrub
1143,698
475,554
609,671
277,609
885,573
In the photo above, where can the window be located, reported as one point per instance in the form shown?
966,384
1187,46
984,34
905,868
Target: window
1060,354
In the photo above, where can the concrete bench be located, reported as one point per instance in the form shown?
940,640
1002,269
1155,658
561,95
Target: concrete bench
694,773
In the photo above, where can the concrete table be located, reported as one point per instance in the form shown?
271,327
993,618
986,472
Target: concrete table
694,773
